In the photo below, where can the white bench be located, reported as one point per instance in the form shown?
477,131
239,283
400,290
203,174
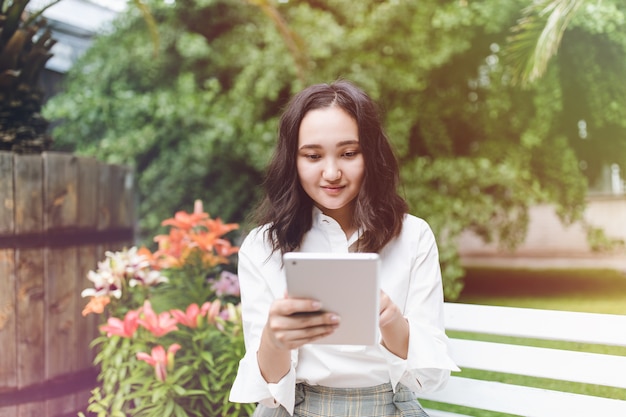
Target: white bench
553,363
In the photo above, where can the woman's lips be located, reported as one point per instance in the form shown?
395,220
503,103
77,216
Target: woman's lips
333,189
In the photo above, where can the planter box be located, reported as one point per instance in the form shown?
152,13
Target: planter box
58,214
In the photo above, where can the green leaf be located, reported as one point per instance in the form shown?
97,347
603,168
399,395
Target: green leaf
169,408
208,357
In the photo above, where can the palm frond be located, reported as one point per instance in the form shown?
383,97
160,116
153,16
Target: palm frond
151,22
536,37
292,40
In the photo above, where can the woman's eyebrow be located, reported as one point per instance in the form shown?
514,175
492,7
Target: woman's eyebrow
339,144
348,142
310,146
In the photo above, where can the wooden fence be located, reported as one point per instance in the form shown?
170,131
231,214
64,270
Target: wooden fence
59,213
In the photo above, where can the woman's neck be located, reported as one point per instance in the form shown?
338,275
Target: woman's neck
344,216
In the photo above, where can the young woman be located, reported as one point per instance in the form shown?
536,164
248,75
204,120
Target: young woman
331,187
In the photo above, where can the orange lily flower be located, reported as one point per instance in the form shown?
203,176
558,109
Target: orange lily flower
210,242
204,241
187,221
224,248
96,305
172,243
218,227
145,252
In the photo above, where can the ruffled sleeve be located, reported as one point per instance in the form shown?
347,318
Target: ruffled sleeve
428,364
261,280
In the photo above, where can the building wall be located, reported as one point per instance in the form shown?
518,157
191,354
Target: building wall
548,237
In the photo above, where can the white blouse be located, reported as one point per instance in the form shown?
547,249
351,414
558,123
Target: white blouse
411,277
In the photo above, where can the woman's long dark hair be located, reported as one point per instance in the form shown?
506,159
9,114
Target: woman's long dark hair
379,210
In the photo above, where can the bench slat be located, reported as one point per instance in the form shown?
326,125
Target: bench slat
606,329
584,367
524,401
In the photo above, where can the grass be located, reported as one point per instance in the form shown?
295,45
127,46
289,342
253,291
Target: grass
586,290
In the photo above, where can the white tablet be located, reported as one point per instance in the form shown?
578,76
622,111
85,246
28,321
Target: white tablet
346,284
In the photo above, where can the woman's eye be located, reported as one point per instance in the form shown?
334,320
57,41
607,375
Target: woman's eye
350,154
312,156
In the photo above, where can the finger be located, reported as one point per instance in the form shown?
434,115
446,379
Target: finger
294,339
304,320
289,306
302,326
383,302
389,314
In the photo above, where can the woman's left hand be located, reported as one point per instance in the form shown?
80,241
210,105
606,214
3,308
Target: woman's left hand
394,328
389,311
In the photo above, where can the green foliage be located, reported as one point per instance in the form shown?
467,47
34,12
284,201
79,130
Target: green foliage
599,242
171,116
471,194
199,118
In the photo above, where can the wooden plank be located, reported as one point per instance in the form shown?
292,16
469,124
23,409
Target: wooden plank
61,406
82,400
122,183
583,367
8,321
7,199
29,278
116,185
524,401
8,411
33,409
30,313
105,196
87,195
538,324
121,196
28,193
111,186
116,196
60,211
60,192
87,212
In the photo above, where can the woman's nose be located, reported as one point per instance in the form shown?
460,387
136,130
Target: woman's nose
331,172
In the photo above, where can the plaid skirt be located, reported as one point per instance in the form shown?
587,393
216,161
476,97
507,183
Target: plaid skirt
377,401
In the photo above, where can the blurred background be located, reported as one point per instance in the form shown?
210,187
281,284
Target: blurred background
509,118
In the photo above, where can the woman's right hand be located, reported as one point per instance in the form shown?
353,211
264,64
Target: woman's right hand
293,322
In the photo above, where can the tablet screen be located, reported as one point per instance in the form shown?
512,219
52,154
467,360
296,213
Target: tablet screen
346,284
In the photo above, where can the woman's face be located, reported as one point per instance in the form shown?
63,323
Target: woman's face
330,162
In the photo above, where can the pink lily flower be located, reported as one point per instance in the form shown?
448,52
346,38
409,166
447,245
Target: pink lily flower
188,318
158,325
126,328
212,310
161,361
